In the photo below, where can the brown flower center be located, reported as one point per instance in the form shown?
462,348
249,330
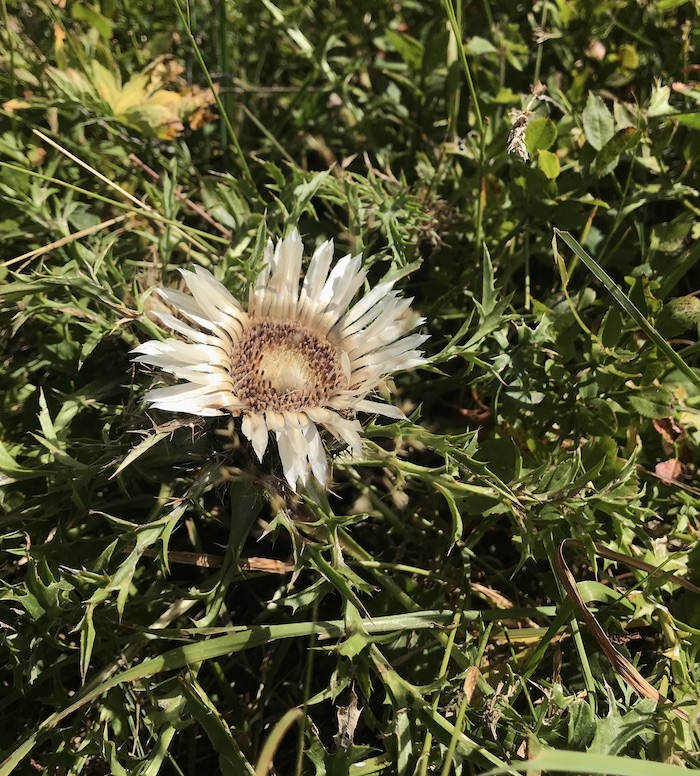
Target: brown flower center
280,365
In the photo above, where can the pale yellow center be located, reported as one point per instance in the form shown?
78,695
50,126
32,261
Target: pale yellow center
286,369
282,365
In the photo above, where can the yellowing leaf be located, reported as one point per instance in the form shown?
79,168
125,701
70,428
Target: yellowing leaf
161,120
143,102
12,105
132,94
629,59
164,70
72,86
107,85
59,36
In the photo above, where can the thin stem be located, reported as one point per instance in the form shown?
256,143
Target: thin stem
140,205
10,46
422,769
185,19
540,45
449,8
307,693
153,214
481,199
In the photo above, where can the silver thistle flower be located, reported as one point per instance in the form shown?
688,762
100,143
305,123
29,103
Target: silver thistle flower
296,359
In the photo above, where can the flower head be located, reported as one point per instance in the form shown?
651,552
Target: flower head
296,359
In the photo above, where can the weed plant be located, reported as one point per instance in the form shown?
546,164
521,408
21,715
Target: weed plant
528,172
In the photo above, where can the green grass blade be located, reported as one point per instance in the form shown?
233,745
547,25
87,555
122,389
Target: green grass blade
589,762
628,306
189,654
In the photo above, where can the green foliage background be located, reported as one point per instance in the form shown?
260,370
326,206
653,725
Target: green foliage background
149,618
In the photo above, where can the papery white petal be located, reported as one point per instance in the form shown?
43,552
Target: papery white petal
345,430
369,304
274,420
293,450
384,316
255,429
387,327
179,353
187,331
343,282
214,299
285,278
379,408
315,453
317,273
197,400
287,457
390,351
277,296
186,305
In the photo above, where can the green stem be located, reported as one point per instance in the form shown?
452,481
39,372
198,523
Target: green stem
540,46
185,19
10,46
449,8
423,762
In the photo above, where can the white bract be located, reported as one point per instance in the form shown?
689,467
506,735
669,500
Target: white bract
295,360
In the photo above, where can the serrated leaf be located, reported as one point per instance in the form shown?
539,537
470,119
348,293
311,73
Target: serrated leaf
616,730
87,640
582,724
140,449
659,103
653,402
232,762
73,86
108,86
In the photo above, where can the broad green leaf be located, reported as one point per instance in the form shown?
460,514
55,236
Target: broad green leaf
691,120
629,58
615,730
582,724
87,13
678,315
598,123
548,163
477,45
410,50
608,156
540,133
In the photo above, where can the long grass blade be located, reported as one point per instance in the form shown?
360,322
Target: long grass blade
626,304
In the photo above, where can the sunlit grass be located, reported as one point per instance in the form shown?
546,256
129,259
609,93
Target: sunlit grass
168,604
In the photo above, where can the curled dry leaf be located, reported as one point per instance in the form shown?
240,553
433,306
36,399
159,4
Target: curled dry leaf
620,663
669,470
